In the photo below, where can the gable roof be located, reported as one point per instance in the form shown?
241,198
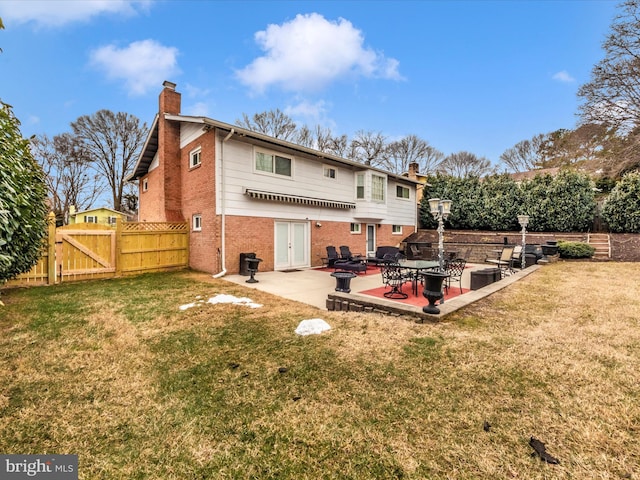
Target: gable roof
151,146
98,209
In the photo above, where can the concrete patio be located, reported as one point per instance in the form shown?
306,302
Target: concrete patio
316,286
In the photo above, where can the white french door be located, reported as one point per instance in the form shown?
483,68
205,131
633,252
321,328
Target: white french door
291,245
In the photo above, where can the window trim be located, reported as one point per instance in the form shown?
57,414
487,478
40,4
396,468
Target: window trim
196,154
112,219
329,168
145,184
363,176
383,188
90,219
273,154
398,187
355,228
196,222
393,230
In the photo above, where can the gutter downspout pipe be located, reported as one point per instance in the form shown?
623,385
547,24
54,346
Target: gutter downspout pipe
222,206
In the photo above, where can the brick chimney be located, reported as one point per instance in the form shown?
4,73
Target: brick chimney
413,171
169,152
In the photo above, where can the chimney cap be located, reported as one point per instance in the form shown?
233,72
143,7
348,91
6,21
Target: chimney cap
169,85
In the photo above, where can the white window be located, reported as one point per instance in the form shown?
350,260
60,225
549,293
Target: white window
360,186
377,188
112,220
197,223
90,219
356,228
145,185
273,163
396,229
402,192
194,157
329,172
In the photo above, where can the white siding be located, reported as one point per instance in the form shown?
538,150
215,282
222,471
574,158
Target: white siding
307,180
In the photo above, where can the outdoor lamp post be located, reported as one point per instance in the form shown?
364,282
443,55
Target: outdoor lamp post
440,209
523,220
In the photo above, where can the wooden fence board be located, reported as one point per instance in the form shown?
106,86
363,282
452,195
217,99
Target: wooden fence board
89,251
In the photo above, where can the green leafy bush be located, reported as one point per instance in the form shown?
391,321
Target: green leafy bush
23,222
575,250
621,210
563,203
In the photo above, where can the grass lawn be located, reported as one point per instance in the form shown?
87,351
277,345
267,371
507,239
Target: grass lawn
116,372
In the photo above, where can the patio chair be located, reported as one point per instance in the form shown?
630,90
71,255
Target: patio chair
332,256
345,253
504,261
393,277
455,269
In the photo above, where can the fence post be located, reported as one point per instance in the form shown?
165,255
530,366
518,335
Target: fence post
51,249
118,255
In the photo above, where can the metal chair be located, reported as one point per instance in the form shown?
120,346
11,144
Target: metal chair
393,277
455,269
505,261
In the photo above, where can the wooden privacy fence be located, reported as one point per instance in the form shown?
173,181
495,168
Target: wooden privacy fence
89,251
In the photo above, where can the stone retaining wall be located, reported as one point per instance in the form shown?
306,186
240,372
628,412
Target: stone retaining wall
625,247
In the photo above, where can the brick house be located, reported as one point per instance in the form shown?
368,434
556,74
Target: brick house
243,191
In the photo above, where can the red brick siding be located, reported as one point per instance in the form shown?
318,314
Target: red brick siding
198,198
151,205
249,235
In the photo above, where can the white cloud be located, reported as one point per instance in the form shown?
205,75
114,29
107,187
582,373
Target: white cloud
57,13
198,109
564,77
310,52
306,109
142,65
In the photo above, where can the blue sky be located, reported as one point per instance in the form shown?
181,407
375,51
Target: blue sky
477,75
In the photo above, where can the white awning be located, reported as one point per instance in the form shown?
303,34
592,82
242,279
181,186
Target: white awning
285,197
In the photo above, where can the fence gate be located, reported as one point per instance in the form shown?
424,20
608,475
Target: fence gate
85,251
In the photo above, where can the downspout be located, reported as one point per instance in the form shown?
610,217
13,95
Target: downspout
222,207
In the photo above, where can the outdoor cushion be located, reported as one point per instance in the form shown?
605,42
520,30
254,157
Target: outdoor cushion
381,252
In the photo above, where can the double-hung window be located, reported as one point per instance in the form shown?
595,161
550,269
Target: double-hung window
275,164
377,188
360,186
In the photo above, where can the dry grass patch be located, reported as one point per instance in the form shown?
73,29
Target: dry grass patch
115,372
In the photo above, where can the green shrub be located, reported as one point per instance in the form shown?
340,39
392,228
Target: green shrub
621,211
575,250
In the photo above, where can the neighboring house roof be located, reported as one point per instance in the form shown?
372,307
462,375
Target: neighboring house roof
519,176
99,209
151,146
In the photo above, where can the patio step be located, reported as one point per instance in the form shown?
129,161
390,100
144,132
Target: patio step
601,242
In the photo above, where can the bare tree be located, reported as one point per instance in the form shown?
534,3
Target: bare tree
412,149
113,141
523,156
369,148
70,178
273,122
465,164
613,94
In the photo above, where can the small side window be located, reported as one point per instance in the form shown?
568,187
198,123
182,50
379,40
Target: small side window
194,157
197,223
356,228
396,229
